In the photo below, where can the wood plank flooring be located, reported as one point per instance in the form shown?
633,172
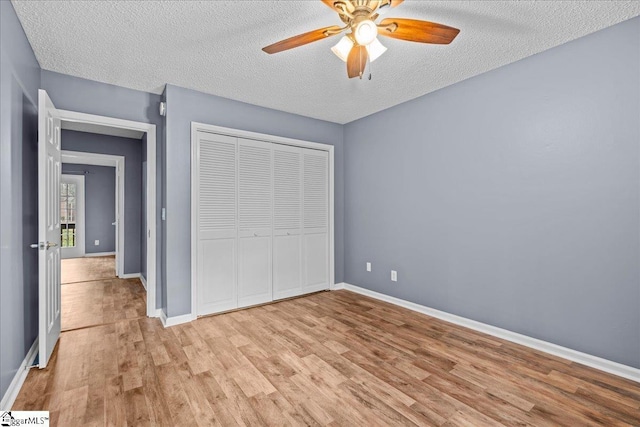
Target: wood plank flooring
86,269
101,301
92,295
332,358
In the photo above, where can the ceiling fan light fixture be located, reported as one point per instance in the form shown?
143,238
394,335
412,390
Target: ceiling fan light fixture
342,48
375,49
366,32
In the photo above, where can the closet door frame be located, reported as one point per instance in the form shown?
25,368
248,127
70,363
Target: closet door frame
236,133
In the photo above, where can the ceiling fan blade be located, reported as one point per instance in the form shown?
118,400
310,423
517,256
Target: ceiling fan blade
302,39
414,30
356,61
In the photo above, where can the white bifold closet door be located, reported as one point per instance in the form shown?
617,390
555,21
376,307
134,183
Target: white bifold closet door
315,239
217,226
287,221
255,185
262,230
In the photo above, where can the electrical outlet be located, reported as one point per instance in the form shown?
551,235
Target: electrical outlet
394,276
368,266
97,242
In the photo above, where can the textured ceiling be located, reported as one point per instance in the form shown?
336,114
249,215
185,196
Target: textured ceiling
215,47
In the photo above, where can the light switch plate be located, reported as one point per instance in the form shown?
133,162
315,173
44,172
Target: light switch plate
97,242
368,266
394,276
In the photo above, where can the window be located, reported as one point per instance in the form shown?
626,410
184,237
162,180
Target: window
68,214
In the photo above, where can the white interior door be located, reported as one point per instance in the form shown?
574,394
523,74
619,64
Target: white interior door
254,222
217,223
49,170
72,216
315,242
287,221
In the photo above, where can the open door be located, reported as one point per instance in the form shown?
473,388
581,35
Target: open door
49,235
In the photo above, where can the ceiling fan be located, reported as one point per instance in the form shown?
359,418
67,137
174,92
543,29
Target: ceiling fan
361,44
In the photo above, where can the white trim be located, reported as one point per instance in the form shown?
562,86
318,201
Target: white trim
176,320
195,170
18,379
85,158
99,254
237,133
338,286
101,123
544,346
131,276
143,281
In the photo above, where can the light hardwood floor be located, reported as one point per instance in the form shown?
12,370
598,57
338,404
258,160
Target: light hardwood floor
91,294
85,269
332,358
101,301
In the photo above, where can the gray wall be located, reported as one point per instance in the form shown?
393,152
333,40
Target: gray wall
87,96
131,149
511,198
185,106
19,81
100,205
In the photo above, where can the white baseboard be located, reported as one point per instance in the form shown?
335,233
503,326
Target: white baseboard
21,374
144,281
175,320
130,276
547,347
99,254
338,286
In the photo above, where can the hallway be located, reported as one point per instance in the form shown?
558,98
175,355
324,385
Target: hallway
92,295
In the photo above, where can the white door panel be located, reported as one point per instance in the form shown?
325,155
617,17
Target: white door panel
217,257
255,224
316,251
217,275
254,271
49,172
315,245
287,217
254,232
287,266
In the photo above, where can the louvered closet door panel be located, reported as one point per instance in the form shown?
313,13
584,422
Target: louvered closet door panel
287,218
315,242
217,223
255,211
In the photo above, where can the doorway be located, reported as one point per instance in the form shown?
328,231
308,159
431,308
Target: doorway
89,279
51,123
103,215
